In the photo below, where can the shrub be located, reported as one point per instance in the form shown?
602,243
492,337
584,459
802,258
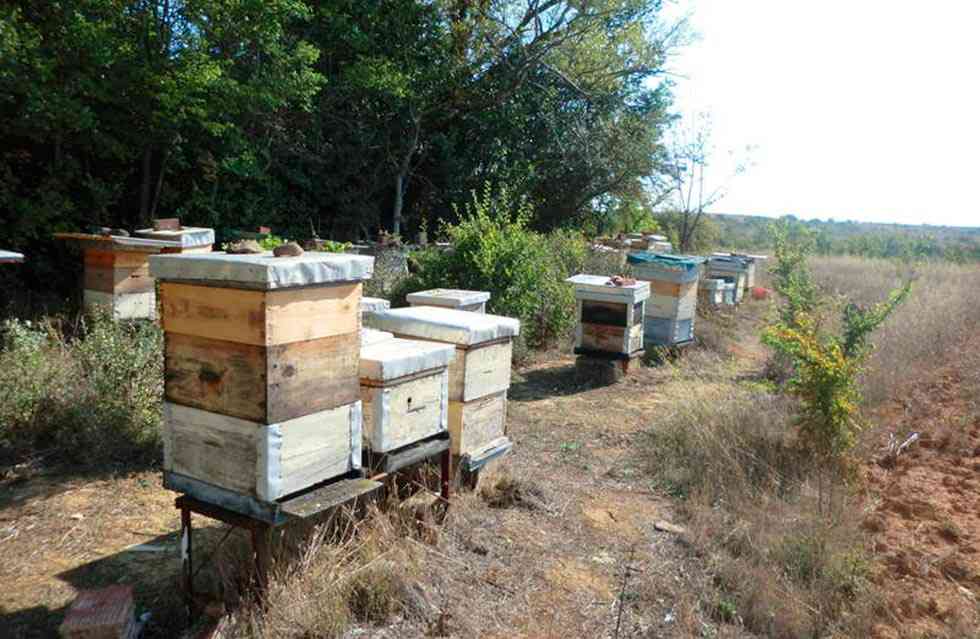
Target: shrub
494,250
88,398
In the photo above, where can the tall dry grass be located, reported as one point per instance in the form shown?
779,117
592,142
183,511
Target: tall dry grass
943,310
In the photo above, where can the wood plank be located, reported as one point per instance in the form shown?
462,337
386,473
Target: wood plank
473,425
334,494
311,376
403,413
311,313
166,224
261,318
480,370
219,376
600,337
262,384
213,448
315,448
119,279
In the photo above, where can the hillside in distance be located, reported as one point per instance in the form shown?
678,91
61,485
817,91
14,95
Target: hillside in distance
868,239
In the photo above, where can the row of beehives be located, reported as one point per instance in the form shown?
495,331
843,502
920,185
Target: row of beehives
619,318
272,387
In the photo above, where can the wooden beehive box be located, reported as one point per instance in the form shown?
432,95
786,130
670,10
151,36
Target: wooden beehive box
610,318
404,390
116,268
474,301
670,311
479,375
261,380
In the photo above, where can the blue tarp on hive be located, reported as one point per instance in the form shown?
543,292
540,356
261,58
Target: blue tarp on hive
665,260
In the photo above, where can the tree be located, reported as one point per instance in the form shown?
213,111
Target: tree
693,189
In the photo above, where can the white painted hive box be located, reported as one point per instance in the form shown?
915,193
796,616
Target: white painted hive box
461,300
483,344
405,391
374,304
479,376
610,318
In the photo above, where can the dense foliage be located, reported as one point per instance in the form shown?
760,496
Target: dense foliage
335,117
495,251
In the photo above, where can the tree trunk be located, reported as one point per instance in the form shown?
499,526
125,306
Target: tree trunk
144,214
159,186
396,215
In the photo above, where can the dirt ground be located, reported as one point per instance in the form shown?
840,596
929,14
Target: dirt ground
924,509
575,554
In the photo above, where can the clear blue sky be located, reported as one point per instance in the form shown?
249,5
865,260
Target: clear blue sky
858,109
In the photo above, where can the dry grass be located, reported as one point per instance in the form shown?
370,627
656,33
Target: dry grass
363,573
943,310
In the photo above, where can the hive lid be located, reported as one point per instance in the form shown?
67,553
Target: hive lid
7,257
393,358
262,271
374,304
370,336
186,237
448,297
444,324
666,261
601,286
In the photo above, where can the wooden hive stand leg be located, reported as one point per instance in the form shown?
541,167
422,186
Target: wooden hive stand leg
445,475
262,551
187,561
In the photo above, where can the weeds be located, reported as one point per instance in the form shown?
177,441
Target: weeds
85,393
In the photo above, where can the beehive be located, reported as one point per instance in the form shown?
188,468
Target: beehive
670,311
475,301
735,269
404,390
479,375
610,318
116,268
712,291
261,380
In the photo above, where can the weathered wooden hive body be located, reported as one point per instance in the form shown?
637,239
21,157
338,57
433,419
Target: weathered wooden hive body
479,375
116,268
261,381
474,301
734,269
670,311
404,390
610,318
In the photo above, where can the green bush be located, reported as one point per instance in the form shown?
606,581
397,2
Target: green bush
90,397
494,250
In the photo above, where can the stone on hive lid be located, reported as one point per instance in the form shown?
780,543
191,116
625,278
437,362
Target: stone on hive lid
264,271
186,237
393,358
599,286
448,297
444,324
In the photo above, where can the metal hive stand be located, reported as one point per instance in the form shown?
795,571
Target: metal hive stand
311,503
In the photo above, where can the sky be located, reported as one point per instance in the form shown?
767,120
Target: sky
856,109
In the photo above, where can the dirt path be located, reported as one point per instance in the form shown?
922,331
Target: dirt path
924,511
